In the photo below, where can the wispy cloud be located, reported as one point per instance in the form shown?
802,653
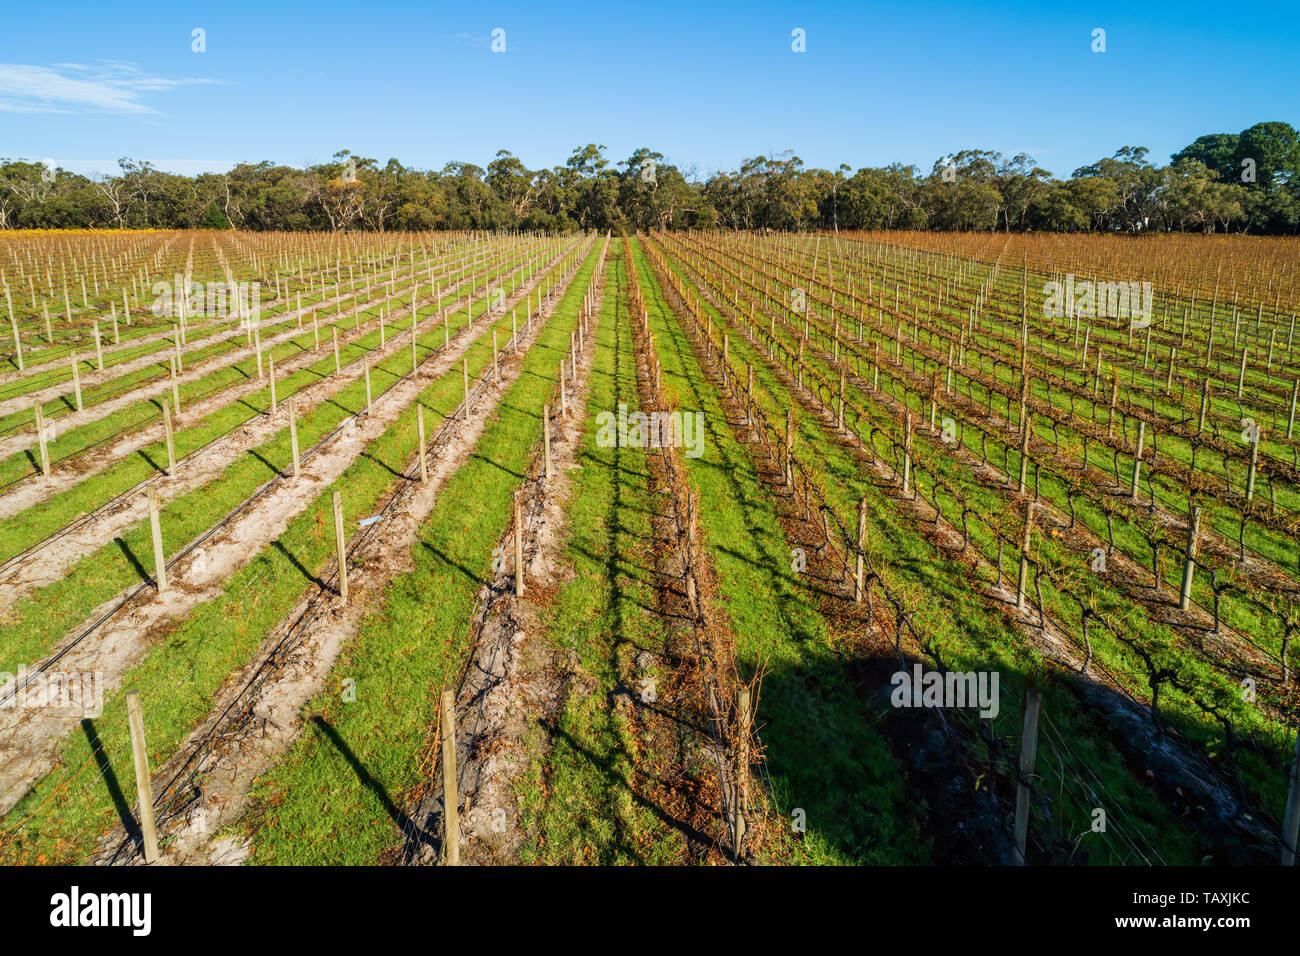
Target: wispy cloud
111,86
95,168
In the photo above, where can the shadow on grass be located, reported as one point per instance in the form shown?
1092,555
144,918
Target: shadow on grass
302,568
363,775
476,578
608,767
110,781
130,556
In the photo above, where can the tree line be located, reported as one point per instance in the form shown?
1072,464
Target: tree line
1247,182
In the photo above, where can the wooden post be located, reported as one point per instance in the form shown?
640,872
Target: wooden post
334,332
293,435
40,435
859,575
789,446
365,364
176,390
270,374
1290,418
1028,755
257,347
546,439
143,785
464,373
1137,458
907,454
1022,579
692,510
171,448
1291,819
839,420
419,427
99,346
519,548
1189,563
742,771
159,559
1114,398
450,800
76,381
340,546
13,324
1253,467
1024,458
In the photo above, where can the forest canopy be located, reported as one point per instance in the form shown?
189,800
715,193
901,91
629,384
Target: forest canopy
1247,182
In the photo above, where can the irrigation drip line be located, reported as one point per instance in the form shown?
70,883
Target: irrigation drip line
1055,738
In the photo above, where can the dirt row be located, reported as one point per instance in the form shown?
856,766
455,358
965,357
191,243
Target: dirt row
514,679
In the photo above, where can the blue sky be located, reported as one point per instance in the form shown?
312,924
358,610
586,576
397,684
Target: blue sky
705,84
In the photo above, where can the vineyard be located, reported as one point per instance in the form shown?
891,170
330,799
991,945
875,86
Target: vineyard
669,548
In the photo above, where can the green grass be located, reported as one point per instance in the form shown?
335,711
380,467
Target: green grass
335,796
954,616
87,436
824,750
34,524
71,805
582,799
